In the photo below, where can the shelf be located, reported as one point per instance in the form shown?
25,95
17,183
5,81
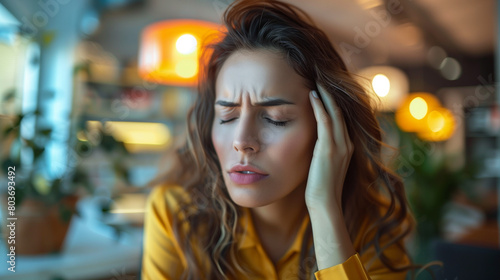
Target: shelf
122,85
482,142
167,122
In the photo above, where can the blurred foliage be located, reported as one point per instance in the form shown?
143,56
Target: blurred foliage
431,180
32,184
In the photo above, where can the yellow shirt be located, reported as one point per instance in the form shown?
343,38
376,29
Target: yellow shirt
163,259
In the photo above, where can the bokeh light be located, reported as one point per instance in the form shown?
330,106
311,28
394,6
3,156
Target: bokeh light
187,68
411,116
381,85
440,125
435,56
450,69
186,44
386,85
171,50
418,108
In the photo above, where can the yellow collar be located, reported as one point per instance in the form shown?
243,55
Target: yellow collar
251,239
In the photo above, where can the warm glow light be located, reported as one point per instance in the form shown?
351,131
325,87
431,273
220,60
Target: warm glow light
422,113
440,125
140,132
435,121
171,50
412,115
138,136
186,44
387,86
381,85
187,68
418,108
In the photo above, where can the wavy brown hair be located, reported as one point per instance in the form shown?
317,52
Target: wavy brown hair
369,185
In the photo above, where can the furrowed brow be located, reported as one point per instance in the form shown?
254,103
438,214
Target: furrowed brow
267,103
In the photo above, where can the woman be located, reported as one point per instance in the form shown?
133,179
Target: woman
281,175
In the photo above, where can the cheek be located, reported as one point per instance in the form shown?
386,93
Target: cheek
219,141
294,150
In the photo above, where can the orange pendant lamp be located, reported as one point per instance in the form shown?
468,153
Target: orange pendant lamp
170,50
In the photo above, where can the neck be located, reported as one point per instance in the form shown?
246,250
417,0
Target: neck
284,217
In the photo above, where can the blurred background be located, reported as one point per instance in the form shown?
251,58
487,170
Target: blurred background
93,92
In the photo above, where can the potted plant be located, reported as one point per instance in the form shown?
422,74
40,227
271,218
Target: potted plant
44,207
41,206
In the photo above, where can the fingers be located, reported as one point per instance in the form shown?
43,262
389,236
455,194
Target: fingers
340,129
340,133
322,118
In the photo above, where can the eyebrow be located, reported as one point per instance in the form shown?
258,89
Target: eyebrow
267,103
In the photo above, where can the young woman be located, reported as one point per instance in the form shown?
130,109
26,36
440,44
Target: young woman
281,175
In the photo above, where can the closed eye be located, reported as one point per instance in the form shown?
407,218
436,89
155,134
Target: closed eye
276,123
226,121
273,122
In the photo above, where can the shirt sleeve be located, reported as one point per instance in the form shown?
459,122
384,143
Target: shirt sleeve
352,268
161,254
366,267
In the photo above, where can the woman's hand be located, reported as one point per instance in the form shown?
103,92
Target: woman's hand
332,153
331,156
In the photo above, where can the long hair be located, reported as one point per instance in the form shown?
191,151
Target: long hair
368,186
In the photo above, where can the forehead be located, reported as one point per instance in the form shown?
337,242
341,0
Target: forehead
260,74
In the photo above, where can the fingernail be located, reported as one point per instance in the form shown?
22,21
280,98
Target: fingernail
314,93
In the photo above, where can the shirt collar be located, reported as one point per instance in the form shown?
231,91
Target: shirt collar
249,236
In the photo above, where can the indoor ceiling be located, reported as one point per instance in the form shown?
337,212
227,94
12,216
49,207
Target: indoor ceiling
411,26
401,35
362,31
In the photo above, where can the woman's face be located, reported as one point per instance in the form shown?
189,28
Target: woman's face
264,126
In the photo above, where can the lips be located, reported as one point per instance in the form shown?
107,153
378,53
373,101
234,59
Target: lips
246,174
246,169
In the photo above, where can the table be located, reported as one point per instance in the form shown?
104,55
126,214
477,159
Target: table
90,251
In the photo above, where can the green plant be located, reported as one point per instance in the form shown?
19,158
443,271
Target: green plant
431,179
32,184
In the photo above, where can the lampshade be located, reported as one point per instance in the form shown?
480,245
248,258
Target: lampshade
170,50
387,85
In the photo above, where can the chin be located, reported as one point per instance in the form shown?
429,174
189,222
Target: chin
249,199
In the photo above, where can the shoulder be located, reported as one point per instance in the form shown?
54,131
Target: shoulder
167,196
164,202
165,224
163,256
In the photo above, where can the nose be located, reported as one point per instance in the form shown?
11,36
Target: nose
246,139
